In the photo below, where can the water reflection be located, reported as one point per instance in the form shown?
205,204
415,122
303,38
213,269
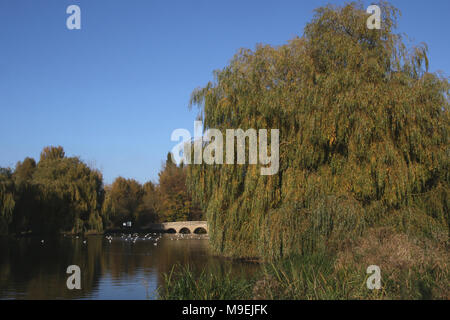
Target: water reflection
122,268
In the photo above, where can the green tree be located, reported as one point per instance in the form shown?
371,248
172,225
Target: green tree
25,195
108,210
7,202
125,200
24,171
52,153
148,211
363,131
70,194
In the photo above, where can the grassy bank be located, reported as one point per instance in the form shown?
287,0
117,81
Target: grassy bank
410,269
184,282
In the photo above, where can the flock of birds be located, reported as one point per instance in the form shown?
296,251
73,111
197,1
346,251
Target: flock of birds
155,237
135,237
152,237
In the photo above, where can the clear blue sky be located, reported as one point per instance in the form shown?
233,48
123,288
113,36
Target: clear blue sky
113,92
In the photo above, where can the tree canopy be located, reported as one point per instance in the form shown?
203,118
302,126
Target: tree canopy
7,203
175,201
126,196
57,194
70,194
63,194
128,200
363,139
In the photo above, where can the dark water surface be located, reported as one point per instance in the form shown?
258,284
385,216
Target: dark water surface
116,269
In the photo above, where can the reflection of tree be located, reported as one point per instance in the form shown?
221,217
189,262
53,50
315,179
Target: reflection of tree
196,254
45,277
32,270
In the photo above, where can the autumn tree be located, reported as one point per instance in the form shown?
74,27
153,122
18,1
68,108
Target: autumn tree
108,210
7,202
25,195
125,200
363,139
70,194
148,211
52,153
24,171
176,203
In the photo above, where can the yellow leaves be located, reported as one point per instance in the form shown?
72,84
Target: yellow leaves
224,103
354,122
331,140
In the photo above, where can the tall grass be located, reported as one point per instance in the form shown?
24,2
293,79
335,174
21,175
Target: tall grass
186,283
409,270
309,277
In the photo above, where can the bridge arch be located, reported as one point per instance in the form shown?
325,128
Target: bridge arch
200,230
185,230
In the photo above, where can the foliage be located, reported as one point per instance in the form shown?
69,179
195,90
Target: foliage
67,191
7,202
127,200
126,196
150,204
58,194
64,194
185,283
363,131
24,171
409,270
52,153
176,203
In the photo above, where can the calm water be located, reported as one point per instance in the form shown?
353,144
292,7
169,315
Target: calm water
120,269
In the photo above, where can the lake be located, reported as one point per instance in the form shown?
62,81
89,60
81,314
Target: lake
125,267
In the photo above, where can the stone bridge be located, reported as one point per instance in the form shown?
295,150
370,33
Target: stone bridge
180,227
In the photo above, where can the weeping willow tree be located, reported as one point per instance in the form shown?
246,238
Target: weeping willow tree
69,194
7,202
363,139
